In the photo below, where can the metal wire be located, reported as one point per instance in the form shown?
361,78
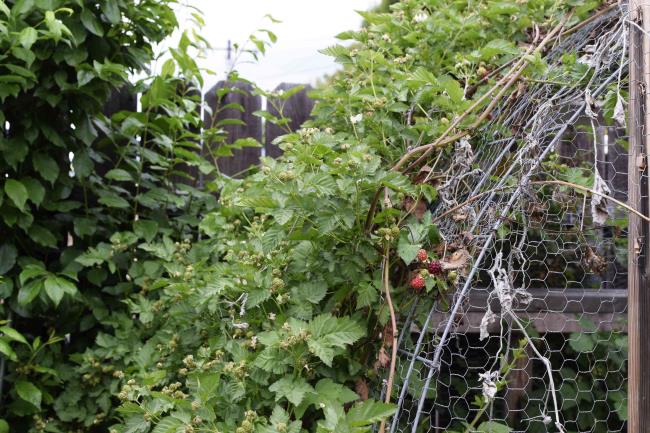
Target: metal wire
532,327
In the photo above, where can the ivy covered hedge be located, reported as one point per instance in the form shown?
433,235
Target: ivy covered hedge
136,299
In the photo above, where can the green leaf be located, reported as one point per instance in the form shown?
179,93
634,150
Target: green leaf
46,167
29,292
453,89
112,11
91,23
28,392
42,236
119,175
582,342
293,389
35,190
8,255
493,427
4,427
329,332
113,200
145,229
369,412
27,37
407,251
56,287
22,7
14,335
6,350
168,424
16,192
498,46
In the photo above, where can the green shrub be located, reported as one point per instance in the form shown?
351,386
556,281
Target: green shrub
259,312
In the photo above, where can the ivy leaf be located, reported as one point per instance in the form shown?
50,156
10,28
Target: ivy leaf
16,192
113,200
46,166
29,292
7,258
119,175
112,11
35,190
28,392
90,22
293,389
56,287
42,236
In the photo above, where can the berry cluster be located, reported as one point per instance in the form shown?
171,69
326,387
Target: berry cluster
428,267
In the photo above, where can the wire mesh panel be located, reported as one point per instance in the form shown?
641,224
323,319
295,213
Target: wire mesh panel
531,337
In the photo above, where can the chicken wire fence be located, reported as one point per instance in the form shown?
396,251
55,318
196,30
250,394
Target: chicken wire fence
532,336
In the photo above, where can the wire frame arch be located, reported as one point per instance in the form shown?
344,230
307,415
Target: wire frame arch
530,337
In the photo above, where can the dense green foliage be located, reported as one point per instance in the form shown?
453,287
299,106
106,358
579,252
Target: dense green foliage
259,311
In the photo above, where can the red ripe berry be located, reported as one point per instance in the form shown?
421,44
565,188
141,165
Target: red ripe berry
417,283
422,255
435,267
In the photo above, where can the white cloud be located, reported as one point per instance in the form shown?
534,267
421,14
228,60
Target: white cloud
306,27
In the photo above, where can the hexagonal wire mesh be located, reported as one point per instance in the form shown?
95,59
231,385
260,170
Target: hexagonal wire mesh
539,311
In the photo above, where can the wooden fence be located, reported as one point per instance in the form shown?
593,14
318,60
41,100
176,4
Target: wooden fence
296,108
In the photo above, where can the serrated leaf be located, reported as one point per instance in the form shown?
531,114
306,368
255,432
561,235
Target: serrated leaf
407,251
168,424
369,412
146,229
293,389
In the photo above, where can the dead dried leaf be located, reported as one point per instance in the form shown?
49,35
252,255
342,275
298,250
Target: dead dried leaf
599,210
458,260
361,388
418,208
382,359
619,111
387,336
593,262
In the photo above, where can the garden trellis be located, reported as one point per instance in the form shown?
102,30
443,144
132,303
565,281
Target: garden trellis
535,324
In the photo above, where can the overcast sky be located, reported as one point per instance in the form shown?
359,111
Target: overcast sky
306,27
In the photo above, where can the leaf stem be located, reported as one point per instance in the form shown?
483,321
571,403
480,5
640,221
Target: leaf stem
393,322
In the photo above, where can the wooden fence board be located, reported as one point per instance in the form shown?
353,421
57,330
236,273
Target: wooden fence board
297,108
252,127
